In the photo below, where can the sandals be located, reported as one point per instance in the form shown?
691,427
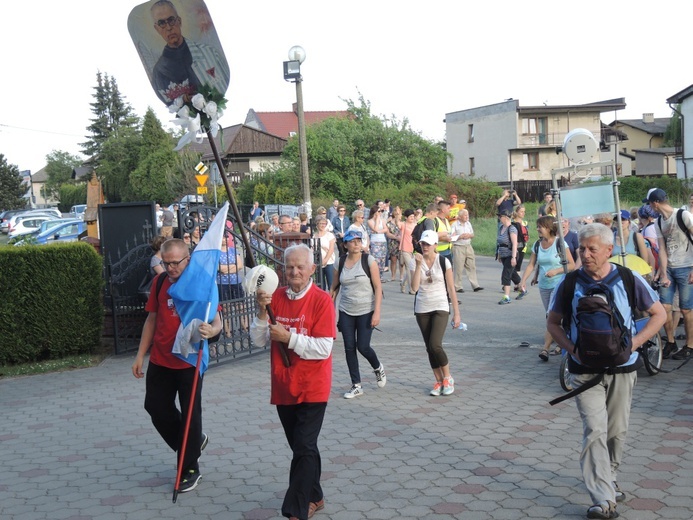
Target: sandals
544,355
556,352
602,511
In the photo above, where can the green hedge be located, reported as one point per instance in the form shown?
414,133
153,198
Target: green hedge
50,303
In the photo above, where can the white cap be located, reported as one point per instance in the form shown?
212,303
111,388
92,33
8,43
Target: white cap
429,236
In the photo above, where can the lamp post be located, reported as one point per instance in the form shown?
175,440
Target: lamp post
292,73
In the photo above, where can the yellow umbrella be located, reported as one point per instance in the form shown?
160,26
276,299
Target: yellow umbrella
632,262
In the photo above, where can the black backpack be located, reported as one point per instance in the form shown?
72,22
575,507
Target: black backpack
603,341
416,234
681,224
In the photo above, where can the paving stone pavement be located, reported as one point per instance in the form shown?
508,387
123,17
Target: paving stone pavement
78,445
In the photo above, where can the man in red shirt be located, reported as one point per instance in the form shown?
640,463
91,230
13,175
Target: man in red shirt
305,330
168,375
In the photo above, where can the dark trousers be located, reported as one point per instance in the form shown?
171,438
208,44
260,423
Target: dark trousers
302,424
163,384
357,332
509,274
433,326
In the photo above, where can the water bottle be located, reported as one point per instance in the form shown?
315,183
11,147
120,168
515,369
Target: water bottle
463,326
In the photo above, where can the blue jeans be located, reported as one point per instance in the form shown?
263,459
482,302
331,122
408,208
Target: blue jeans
327,273
678,276
356,332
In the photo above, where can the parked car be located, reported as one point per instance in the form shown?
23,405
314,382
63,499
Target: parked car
45,226
27,225
78,210
5,220
15,219
65,232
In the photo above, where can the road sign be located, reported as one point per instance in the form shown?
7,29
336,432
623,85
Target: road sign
201,168
202,179
202,190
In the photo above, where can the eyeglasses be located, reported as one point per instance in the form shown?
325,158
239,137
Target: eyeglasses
174,264
341,210
186,237
429,278
170,21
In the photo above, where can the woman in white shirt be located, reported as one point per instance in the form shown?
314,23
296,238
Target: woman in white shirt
432,310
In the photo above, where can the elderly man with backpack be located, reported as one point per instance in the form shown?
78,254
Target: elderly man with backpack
591,315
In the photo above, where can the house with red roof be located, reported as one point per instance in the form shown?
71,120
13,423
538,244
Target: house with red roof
285,124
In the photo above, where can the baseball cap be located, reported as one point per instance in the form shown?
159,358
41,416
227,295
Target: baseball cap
429,236
351,235
655,195
625,215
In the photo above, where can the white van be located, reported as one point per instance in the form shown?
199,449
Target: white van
78,210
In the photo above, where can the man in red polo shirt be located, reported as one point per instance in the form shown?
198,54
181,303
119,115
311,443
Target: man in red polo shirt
305,330
168,375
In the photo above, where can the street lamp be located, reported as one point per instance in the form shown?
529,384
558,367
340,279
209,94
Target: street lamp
292,73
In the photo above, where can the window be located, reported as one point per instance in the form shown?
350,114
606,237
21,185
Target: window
535,126
472,169
530,161
470,135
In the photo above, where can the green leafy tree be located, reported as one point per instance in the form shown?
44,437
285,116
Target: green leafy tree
672,135
59,166
348,157
111,115
119,157
11,188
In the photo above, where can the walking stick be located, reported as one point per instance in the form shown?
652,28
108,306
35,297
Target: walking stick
249,259
186,431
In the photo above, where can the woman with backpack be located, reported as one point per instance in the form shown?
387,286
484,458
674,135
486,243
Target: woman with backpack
506,253
547,259
359,309
433,283
522,238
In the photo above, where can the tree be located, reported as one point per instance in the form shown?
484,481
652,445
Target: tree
672,134
11,188
111,115
59,166
349,155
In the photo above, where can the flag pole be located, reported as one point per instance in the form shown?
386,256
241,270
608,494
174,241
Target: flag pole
191,405
249,259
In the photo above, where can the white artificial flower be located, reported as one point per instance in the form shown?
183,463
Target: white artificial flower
211,109
198,101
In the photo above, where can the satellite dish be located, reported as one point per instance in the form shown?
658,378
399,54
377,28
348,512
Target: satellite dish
580,146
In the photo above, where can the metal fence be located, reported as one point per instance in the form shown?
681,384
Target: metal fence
125,308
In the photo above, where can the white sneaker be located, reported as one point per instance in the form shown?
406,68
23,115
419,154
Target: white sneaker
448,385
355,391
380,376
437,388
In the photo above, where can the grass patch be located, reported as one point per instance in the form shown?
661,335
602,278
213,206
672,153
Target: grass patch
56,365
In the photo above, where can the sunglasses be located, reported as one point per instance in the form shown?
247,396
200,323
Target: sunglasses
429,278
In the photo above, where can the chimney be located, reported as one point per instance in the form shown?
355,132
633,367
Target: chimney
648,117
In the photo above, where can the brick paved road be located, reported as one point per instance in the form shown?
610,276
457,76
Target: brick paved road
79,445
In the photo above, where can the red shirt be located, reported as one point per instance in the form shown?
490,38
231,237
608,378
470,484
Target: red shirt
167,323
306,380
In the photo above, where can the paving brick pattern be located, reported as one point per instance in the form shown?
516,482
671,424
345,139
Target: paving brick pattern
78,445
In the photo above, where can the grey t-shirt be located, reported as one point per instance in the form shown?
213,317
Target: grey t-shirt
679,248
356,291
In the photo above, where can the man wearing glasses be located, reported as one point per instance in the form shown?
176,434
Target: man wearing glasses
168,375
184,65
362,207
341,224
285,222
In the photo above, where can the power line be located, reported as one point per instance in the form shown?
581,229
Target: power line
40,131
